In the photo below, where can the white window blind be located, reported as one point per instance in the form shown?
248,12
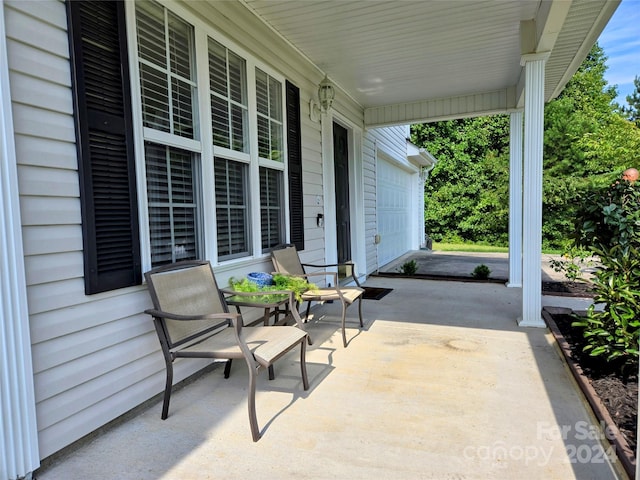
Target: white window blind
228,89
172,204
169,95
165,51
269,112
271,208
232,208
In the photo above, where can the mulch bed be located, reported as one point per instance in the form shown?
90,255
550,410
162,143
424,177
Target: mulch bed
616,389
571,289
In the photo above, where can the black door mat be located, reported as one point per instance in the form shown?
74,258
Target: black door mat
375,293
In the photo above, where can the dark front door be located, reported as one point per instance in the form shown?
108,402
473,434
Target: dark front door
341,170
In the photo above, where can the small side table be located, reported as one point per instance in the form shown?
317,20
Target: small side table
274,303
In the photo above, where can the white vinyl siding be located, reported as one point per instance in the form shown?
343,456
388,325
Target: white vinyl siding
69,330
392,141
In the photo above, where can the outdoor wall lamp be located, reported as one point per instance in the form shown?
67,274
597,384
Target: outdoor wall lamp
320,220
326,94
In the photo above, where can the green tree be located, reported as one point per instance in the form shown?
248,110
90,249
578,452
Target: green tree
583,111
588,142
632,112
468,186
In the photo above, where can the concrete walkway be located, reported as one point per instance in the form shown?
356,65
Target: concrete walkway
440,384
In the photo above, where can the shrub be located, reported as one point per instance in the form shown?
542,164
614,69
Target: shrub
613,332
571,264
610,227
409,268
481,272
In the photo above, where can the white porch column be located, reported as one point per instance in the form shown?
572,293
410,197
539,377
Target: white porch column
19,455
532,201
515,200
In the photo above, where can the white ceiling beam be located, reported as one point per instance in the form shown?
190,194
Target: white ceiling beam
539,35
475,105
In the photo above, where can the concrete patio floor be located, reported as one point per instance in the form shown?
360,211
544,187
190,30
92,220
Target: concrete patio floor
440,384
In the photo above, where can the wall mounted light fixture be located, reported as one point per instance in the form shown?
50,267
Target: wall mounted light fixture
326,94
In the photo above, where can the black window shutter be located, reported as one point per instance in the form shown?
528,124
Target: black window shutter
294,148
104,138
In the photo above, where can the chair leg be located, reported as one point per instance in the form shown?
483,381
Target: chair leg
303,364
272,375
227,368
306,317
344,324
251,402
167,391
360,311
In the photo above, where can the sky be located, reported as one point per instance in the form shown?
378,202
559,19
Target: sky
621,43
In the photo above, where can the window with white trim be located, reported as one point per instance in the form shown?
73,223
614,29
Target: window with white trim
232,208
242,117
168,97
271,208
229,110
269,102
271,152
250,174
171,187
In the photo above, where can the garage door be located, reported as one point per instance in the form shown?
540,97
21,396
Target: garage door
394,194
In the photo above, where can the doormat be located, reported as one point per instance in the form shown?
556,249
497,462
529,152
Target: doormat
375,293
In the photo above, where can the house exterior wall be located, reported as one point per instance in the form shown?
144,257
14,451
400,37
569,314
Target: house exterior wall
97,356
392,142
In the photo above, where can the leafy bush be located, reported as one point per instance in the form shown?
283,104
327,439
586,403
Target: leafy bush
481,272
610,227
613,332
409,268
571,264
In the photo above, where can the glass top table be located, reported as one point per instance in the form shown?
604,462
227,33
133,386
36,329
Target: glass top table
275,305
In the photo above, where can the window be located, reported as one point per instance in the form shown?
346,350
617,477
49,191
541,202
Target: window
247,149
229,111
269,111
165,52
173,210
169,95
232,209
271,208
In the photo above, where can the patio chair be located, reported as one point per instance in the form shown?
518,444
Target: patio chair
192,320
287,261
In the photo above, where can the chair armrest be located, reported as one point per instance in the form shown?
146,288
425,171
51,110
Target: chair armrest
319,273
344,264
175,316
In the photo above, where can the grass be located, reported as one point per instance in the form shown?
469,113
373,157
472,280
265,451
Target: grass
472,247
468,247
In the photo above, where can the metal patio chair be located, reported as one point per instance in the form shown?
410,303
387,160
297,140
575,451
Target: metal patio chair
192,320
287,261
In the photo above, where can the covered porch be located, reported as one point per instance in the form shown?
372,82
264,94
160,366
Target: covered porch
437,385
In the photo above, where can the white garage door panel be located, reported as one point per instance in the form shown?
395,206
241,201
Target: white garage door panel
393,208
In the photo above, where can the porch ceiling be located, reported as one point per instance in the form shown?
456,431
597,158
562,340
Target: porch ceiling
388,55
